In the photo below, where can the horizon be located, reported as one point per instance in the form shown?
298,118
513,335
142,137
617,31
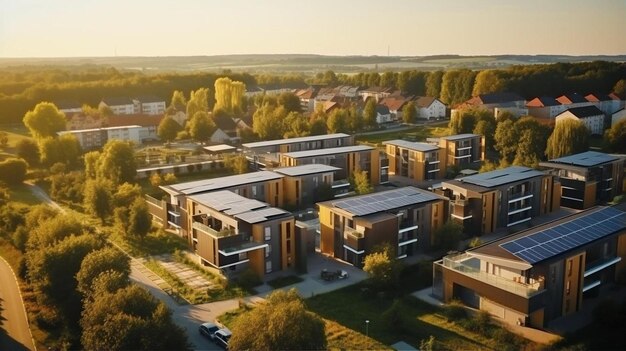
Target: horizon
143,28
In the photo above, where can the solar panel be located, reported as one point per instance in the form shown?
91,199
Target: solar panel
577,232
384,201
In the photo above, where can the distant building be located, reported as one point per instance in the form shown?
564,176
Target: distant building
462,149
149,105
313,142
377,93
68,107
383,115
149,124
119,105
545,107
590,116
419,161
90,139
588,178
493,100
618,116
300,183
430,107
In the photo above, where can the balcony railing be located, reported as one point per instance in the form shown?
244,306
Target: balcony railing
519,196
211,231
456,263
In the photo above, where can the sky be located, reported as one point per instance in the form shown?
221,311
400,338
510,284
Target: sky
86,28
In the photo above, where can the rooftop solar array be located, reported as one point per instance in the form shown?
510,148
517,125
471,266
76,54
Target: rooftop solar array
206,185
294,140
306,169
586,159
460,136
329,151
566,236
386,200
501,176
423,147
247,210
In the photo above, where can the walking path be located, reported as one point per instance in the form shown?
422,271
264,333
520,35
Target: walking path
15,332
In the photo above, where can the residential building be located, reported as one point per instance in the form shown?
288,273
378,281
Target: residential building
430,107
301,183
617,100
461,149
119,105
591,117
95,138
395,104
545,107
79,120
618,116
149,105
588,178
517,112
491,101
68,107
348,158
299,144
383,115
307,99
419,161
231,233
377,93
404,218
573,100
538,275
149,124
603,102
503,198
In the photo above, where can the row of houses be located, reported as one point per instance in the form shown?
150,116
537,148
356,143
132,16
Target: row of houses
146,105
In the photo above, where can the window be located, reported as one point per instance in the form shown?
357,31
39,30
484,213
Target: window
569,268
268,251
254,190
268,233
268,266
568,287
288,247
436,209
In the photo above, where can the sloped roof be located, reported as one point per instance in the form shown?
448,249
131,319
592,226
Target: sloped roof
141,120
585,111
67,104
543,101
145,99
571,99
383,110
424,101
394,103
224,122
597,97
117,100
498,98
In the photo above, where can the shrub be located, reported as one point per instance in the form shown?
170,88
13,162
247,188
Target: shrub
606,313
454,311
248,279
506,340
428,344
475,242
13,170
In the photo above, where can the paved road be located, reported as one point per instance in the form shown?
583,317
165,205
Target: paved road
38,192
15,333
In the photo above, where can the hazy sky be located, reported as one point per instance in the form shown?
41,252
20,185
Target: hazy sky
57,28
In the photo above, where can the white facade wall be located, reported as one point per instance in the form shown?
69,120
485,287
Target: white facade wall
436,110
153,108
618,116
126,134
123,109
380,118
595,124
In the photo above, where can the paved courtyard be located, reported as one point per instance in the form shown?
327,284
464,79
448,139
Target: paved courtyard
187,275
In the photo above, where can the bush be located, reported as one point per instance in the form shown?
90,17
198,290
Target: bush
428,344
13,170
475,242
506,340
454,311
607,313
248,279
19,238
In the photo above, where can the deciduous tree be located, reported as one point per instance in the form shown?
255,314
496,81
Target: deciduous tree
382,267
362,182
198,102
201,127
97,262
168,129
140,219
98,199
45,120
238,164
369,113
290,102
569,137
29,151
615,137
117,162
13,171
409,113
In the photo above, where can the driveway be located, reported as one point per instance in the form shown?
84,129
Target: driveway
15,332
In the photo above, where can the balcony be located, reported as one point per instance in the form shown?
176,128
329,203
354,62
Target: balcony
460,209
353,239
599,265
212,232
458,264
514,197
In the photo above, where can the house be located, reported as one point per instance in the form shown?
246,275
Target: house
619,101
430,107
348,158
538,275
587,178
119,105
591,117
603,102
300,183
461,149
307,98
95,138
383,115
68,106
573,100
544,107
377,93
395,105
404,218
253,91
226,129
493,100
149,124
79,120
232,233
618,116
149,105
503,198
419,161
179,116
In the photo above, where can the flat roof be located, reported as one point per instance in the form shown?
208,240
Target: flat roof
218,148
295,140
460,136
501,176
237,206
329,151
555,238
411,145
384,201
206,185
96,129
586,159
306,169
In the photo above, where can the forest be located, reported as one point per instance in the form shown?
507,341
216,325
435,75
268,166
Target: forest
22,87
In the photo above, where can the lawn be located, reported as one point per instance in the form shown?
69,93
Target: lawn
418,133
157,242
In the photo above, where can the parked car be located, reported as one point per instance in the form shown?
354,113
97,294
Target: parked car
208,329
222,336
338,274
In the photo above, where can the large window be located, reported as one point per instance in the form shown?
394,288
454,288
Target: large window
268,233
268,251
268,266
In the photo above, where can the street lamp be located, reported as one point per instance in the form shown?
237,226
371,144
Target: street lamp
367,324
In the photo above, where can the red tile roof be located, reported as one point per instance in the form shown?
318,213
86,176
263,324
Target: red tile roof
131,120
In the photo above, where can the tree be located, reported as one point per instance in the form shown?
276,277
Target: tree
64,149
296,125
238,164
456,86
361,182
126,194
569,137
488,81
433,83
268,122
98,199
615,137
531,144
338,121
299,329
488,130
201,127
29,151
229,94
68,186
318,127
620,88
198,102
369,113
4,139
409,113
448,236
505,139
91,164
117,162
168,129
156,180
97,262
178,102
290,102
140,219
45,120
382,267
13,171
355,120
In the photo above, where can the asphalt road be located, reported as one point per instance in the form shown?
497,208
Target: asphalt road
15,333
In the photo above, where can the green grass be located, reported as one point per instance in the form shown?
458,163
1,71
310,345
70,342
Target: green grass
284,281
15,135
419,133
157,242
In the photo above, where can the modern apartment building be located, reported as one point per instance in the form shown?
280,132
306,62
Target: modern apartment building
119,105
500,199
540,274
299,144
419,161
230,232
404,218
301,183
588,178
348,158
462,149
